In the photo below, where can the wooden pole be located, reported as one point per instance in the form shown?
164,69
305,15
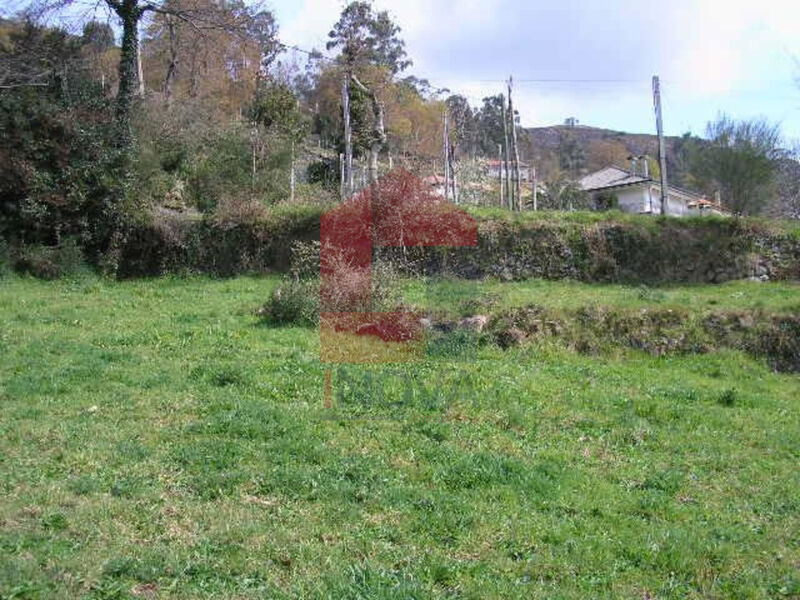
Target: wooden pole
504,170
500,163
517,179
533,190
662,153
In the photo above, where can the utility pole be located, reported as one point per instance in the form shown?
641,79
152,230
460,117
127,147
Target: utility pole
504,167
515,156
662,153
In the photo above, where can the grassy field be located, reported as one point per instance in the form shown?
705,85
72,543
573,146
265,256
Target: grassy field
158,441
458,295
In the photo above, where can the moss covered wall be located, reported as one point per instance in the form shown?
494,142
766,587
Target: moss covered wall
640,250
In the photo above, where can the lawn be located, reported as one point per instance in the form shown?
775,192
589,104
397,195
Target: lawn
456,295
158,441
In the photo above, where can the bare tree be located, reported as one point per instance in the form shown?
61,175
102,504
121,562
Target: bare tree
131,13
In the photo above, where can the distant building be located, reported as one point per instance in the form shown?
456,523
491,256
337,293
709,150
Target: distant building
494,167
435,183
637,192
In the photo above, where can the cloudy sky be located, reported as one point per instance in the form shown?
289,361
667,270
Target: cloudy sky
594,59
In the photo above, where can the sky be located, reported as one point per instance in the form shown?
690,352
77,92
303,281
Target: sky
594,59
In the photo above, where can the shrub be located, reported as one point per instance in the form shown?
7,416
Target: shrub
355,289
295,301
727,398
304,259
49,262
5,257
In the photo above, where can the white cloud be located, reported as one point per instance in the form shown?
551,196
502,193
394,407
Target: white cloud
706,51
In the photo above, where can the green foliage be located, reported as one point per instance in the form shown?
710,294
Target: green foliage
740,160
63,171
50,262
571,153
223,169
606,201
295,301
5,257
364,36
276,108
305,260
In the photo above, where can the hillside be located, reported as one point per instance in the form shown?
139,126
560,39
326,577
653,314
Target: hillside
601,146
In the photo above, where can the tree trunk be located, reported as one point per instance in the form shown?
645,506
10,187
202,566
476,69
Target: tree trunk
378,130
348,139
453,178
139,69
446,155
172,68
291,177
129,14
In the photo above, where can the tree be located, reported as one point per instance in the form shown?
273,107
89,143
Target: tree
202,16
571,154
365,39
62,174
490,124
739,159
463,123
564,193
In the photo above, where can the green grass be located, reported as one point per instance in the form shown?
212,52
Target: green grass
590,217
157,440
452,295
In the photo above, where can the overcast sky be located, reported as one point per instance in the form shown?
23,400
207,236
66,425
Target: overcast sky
597,56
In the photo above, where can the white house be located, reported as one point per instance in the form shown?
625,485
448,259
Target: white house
640,193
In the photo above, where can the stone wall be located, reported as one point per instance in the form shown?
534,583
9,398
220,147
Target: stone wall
660,251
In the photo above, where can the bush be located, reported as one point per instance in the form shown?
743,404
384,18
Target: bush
295,301
50,262
5,258
305,259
